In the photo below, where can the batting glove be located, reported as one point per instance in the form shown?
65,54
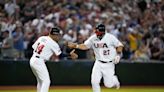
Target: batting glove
117,59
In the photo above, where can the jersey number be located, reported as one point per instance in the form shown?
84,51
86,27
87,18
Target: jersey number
39,48
106,52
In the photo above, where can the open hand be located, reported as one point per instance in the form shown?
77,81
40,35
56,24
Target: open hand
73,54
71,45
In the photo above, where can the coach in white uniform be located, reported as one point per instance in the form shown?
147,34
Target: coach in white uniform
44,48
107,49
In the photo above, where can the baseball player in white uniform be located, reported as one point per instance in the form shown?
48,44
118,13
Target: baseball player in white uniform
44,48
107,49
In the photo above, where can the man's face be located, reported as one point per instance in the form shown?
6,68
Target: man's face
56,37
99,34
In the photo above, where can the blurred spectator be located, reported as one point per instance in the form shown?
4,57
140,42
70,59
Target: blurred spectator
7,48
143,53
70,36
82,54
39,23
85,32
10,7
18,38
31,37
126,52
134,22
28,12
132,37
142,4
47,29
157,49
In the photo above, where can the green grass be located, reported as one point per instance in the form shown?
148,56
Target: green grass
124,89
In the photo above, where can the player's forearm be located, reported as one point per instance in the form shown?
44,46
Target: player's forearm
72,55
82,47
77,46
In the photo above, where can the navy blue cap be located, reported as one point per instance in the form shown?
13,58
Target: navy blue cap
55,31
100,27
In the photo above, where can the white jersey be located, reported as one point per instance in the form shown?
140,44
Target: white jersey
104,49
44,47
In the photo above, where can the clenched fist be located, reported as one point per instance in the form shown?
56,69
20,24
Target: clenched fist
73,54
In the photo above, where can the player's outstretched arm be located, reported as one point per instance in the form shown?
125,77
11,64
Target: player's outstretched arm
77,46
72,55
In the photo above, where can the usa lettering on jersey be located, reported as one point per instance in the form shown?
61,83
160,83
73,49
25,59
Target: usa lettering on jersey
100,45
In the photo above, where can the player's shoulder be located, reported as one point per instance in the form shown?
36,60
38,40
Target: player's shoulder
43,38
93,36
110,35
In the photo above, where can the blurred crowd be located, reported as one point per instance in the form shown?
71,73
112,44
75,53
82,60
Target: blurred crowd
139,24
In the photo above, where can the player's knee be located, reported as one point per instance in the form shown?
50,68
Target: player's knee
108,85
95,82
47,81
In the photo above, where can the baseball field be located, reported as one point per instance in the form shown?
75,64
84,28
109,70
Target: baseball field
86,89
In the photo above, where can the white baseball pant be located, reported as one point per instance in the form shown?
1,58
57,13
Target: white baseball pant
106,71
39,69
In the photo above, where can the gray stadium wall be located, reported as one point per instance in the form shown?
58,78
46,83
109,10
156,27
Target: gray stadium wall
78,73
